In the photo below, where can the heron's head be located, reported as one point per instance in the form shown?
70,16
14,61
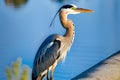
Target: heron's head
72,9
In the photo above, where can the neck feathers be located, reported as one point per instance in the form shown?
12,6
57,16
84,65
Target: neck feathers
67,24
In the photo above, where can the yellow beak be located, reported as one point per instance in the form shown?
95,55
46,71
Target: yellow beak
82,10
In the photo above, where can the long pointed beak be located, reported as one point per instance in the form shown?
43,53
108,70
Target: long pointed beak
82,10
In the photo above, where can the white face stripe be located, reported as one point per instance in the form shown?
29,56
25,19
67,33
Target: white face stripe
73,5
69,10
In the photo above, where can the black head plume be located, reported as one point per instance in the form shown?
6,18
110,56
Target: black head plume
54,18
67,6
63,7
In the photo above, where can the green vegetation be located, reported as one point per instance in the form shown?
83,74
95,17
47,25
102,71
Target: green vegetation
16,3
16,71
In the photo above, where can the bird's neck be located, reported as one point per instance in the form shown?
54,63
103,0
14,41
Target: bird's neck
67,24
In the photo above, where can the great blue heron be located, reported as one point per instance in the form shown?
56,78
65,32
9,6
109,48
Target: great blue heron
55,47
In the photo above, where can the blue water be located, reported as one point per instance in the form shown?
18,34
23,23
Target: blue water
23,29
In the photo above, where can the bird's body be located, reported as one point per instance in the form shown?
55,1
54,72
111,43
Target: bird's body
54,48
42,62
51,46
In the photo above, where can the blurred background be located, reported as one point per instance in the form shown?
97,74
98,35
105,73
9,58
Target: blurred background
24,24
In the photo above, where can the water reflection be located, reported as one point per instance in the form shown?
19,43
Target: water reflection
15,3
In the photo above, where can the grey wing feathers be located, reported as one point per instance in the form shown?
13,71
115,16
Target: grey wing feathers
46,55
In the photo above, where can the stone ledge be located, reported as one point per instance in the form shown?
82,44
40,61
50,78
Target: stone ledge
108,69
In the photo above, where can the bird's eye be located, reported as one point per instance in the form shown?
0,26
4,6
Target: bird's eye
72,8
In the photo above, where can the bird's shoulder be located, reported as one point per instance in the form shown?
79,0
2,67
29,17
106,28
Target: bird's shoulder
51,38
49,46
